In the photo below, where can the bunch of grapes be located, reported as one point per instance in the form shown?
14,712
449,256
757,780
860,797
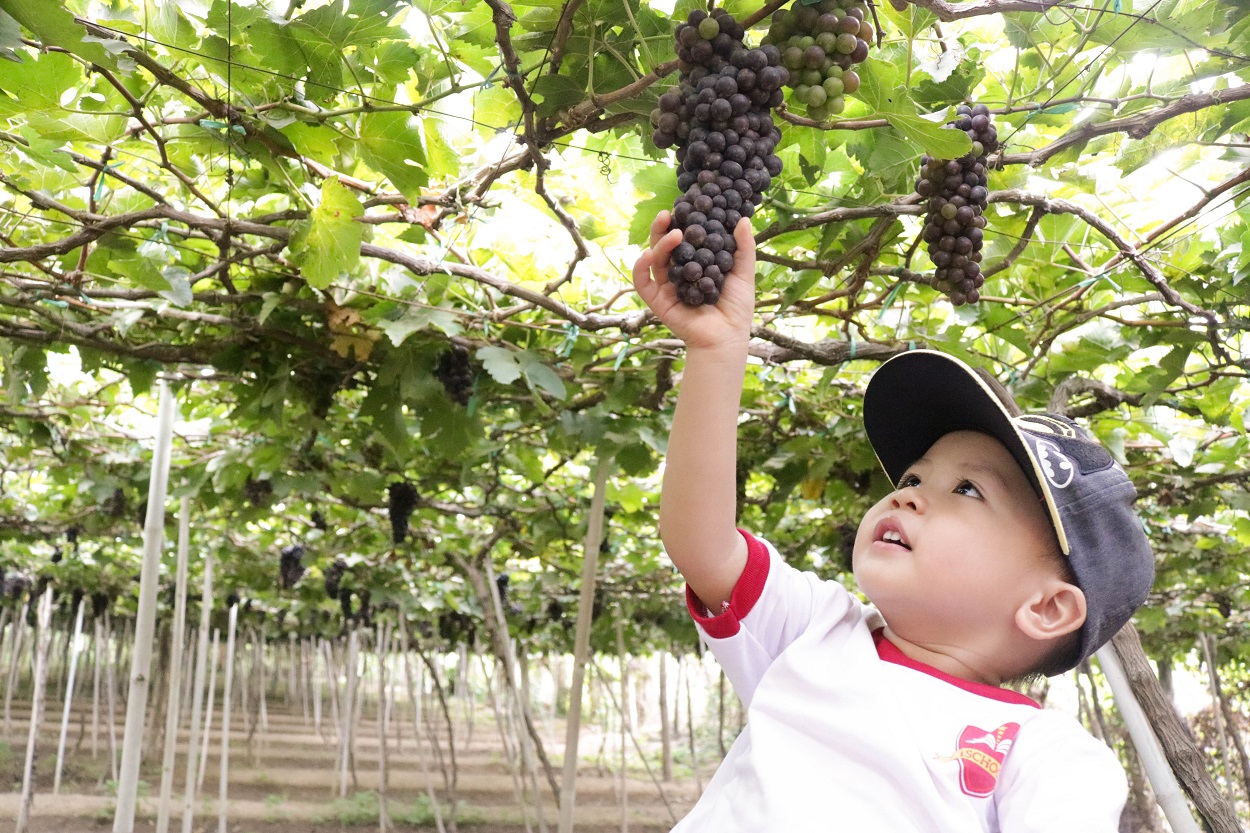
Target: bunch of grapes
402,500
15,584
819,44
333,575
455,371
291,566
115,504
719,118
957,195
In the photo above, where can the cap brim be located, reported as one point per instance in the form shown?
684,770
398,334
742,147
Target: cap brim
919,396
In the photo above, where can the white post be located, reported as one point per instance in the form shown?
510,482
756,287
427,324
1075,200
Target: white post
69,695
1162,780
197,694
208,710
174,701
110,683
42,641
95,687
581,647
145,626
224,777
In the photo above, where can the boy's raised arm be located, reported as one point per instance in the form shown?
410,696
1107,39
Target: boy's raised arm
697,501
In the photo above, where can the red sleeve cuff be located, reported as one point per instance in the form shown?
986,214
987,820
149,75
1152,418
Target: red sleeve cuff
745,594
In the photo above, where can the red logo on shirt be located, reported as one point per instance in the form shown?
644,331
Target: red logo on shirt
980,755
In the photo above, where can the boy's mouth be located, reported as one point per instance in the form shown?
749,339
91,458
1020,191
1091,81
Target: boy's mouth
888,532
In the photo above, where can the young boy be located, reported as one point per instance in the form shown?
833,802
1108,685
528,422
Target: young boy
1009,548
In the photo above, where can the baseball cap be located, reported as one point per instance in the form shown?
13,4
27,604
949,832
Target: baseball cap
917,397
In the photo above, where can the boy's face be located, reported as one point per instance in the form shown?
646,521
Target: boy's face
958,545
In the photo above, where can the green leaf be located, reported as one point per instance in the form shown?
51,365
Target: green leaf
540,376
393,145
554,93
326,246
341,26
10,37
38,82
881,90
54,25
502,365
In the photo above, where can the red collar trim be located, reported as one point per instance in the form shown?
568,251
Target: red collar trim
887,651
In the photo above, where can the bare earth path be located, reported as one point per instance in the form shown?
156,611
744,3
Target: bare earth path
286,781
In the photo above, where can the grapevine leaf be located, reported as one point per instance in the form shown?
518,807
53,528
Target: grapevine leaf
10,37
392,144
327,244
503,365
880,90
54,25
539,375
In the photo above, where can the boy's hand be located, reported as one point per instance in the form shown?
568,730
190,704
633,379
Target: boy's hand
728,322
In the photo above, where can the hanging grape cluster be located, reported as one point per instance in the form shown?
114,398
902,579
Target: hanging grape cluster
333,575
402,500
719,119
455,371
291,566
819,44
14,585
957,194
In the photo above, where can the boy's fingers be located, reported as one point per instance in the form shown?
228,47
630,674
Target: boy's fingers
659,226
744,259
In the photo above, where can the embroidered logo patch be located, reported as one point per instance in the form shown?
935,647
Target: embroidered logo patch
1055,464
980,755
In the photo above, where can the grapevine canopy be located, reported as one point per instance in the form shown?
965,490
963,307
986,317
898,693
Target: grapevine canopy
293,209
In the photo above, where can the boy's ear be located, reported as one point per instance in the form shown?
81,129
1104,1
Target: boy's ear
1055,610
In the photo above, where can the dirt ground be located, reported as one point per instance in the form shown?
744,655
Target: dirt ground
285,781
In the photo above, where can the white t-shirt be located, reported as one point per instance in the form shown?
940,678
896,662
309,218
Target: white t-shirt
845,733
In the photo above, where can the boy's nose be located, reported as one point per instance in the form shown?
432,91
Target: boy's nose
908,498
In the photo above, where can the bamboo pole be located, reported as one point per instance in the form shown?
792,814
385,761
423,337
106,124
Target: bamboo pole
110,683
197,693
69,696
173,702
95,686
416,690
19,637
625,723
1213,680
145,626
347,712
1167,790
383,647
43,642
581,645
208,710
1188,764
226,700
666,734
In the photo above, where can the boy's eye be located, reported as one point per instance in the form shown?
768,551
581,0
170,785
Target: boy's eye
908,480
966,487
